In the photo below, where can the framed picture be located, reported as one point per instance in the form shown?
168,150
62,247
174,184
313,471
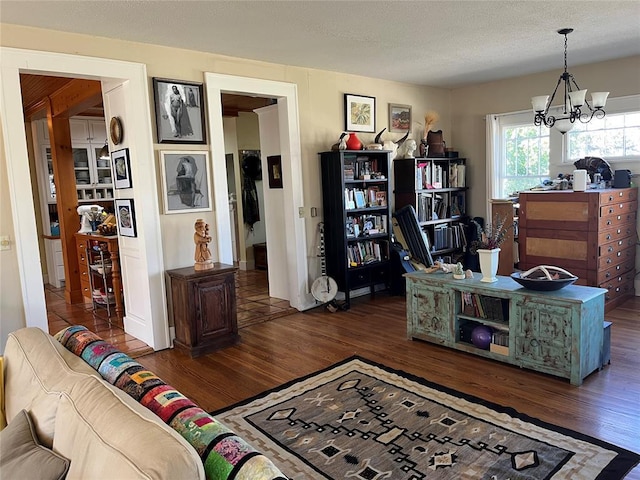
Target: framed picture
179,111
274,164
185,181
126,217
121,168
359,113
399,118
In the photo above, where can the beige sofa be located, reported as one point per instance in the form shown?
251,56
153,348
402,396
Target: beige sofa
99,428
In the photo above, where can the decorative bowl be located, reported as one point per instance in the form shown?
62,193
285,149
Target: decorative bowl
544,278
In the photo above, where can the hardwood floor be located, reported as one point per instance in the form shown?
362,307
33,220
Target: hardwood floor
252,298
605,406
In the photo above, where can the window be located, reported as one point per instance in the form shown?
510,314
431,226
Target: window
521,154
614,137
526,160
525,155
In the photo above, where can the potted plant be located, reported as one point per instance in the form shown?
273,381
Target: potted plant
488,246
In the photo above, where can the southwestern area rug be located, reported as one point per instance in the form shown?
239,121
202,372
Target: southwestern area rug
361,420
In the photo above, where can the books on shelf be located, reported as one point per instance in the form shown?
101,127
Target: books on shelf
366,252
370,197
485,307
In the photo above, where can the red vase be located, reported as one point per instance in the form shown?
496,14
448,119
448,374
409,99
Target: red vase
354,142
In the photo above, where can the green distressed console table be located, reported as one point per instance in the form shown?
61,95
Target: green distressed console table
559,333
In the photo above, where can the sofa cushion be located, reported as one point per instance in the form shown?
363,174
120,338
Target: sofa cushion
106,434
37,369
224,454
22,456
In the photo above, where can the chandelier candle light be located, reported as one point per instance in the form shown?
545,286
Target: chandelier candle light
574,100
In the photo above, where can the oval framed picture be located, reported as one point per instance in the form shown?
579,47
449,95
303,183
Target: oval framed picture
115,130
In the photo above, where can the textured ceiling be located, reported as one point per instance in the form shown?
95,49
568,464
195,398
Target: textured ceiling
437,43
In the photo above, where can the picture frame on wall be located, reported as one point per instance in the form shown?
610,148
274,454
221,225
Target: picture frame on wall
121,169
274,164
180,111
359,113
126,217
399,118
186,185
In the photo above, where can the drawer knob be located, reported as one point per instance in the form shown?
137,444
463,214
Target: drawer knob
534,342
607,275
610,198
608,237
610,249
619,254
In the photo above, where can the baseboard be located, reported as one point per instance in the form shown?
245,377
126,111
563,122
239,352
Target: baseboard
172,335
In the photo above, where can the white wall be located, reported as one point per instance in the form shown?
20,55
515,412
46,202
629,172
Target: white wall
321,118
471,104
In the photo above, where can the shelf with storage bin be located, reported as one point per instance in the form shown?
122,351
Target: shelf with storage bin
436,188
356,218
560,333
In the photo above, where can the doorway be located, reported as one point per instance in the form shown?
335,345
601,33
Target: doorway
126,95
292,254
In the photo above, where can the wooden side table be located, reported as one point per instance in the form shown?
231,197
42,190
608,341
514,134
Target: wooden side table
202,306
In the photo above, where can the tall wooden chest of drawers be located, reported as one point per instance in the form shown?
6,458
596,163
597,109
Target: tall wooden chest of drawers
592,234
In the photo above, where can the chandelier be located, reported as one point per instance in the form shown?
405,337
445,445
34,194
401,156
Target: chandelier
574,101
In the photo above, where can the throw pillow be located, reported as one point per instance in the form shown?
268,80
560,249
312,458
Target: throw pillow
22,456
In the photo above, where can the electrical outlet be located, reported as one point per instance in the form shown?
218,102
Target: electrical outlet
301,212
5,243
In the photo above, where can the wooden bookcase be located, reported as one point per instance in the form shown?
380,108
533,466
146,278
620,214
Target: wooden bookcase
436,188
355,185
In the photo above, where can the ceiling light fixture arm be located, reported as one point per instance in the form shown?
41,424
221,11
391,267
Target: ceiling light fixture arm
574,100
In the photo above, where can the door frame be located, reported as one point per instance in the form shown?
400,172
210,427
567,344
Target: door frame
293,191
149,323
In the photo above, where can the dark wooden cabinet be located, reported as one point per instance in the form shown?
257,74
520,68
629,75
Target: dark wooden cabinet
355,199
202,305
592,234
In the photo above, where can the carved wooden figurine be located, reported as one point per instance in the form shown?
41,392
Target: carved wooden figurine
201,238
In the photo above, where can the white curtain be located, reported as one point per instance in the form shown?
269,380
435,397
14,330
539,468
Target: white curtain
492,158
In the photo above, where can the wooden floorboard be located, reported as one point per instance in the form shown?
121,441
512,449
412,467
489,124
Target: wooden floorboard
605,406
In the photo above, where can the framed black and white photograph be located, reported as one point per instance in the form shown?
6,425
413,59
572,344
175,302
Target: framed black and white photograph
126,217
179,111
399,118
121,168
185,181
359,113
